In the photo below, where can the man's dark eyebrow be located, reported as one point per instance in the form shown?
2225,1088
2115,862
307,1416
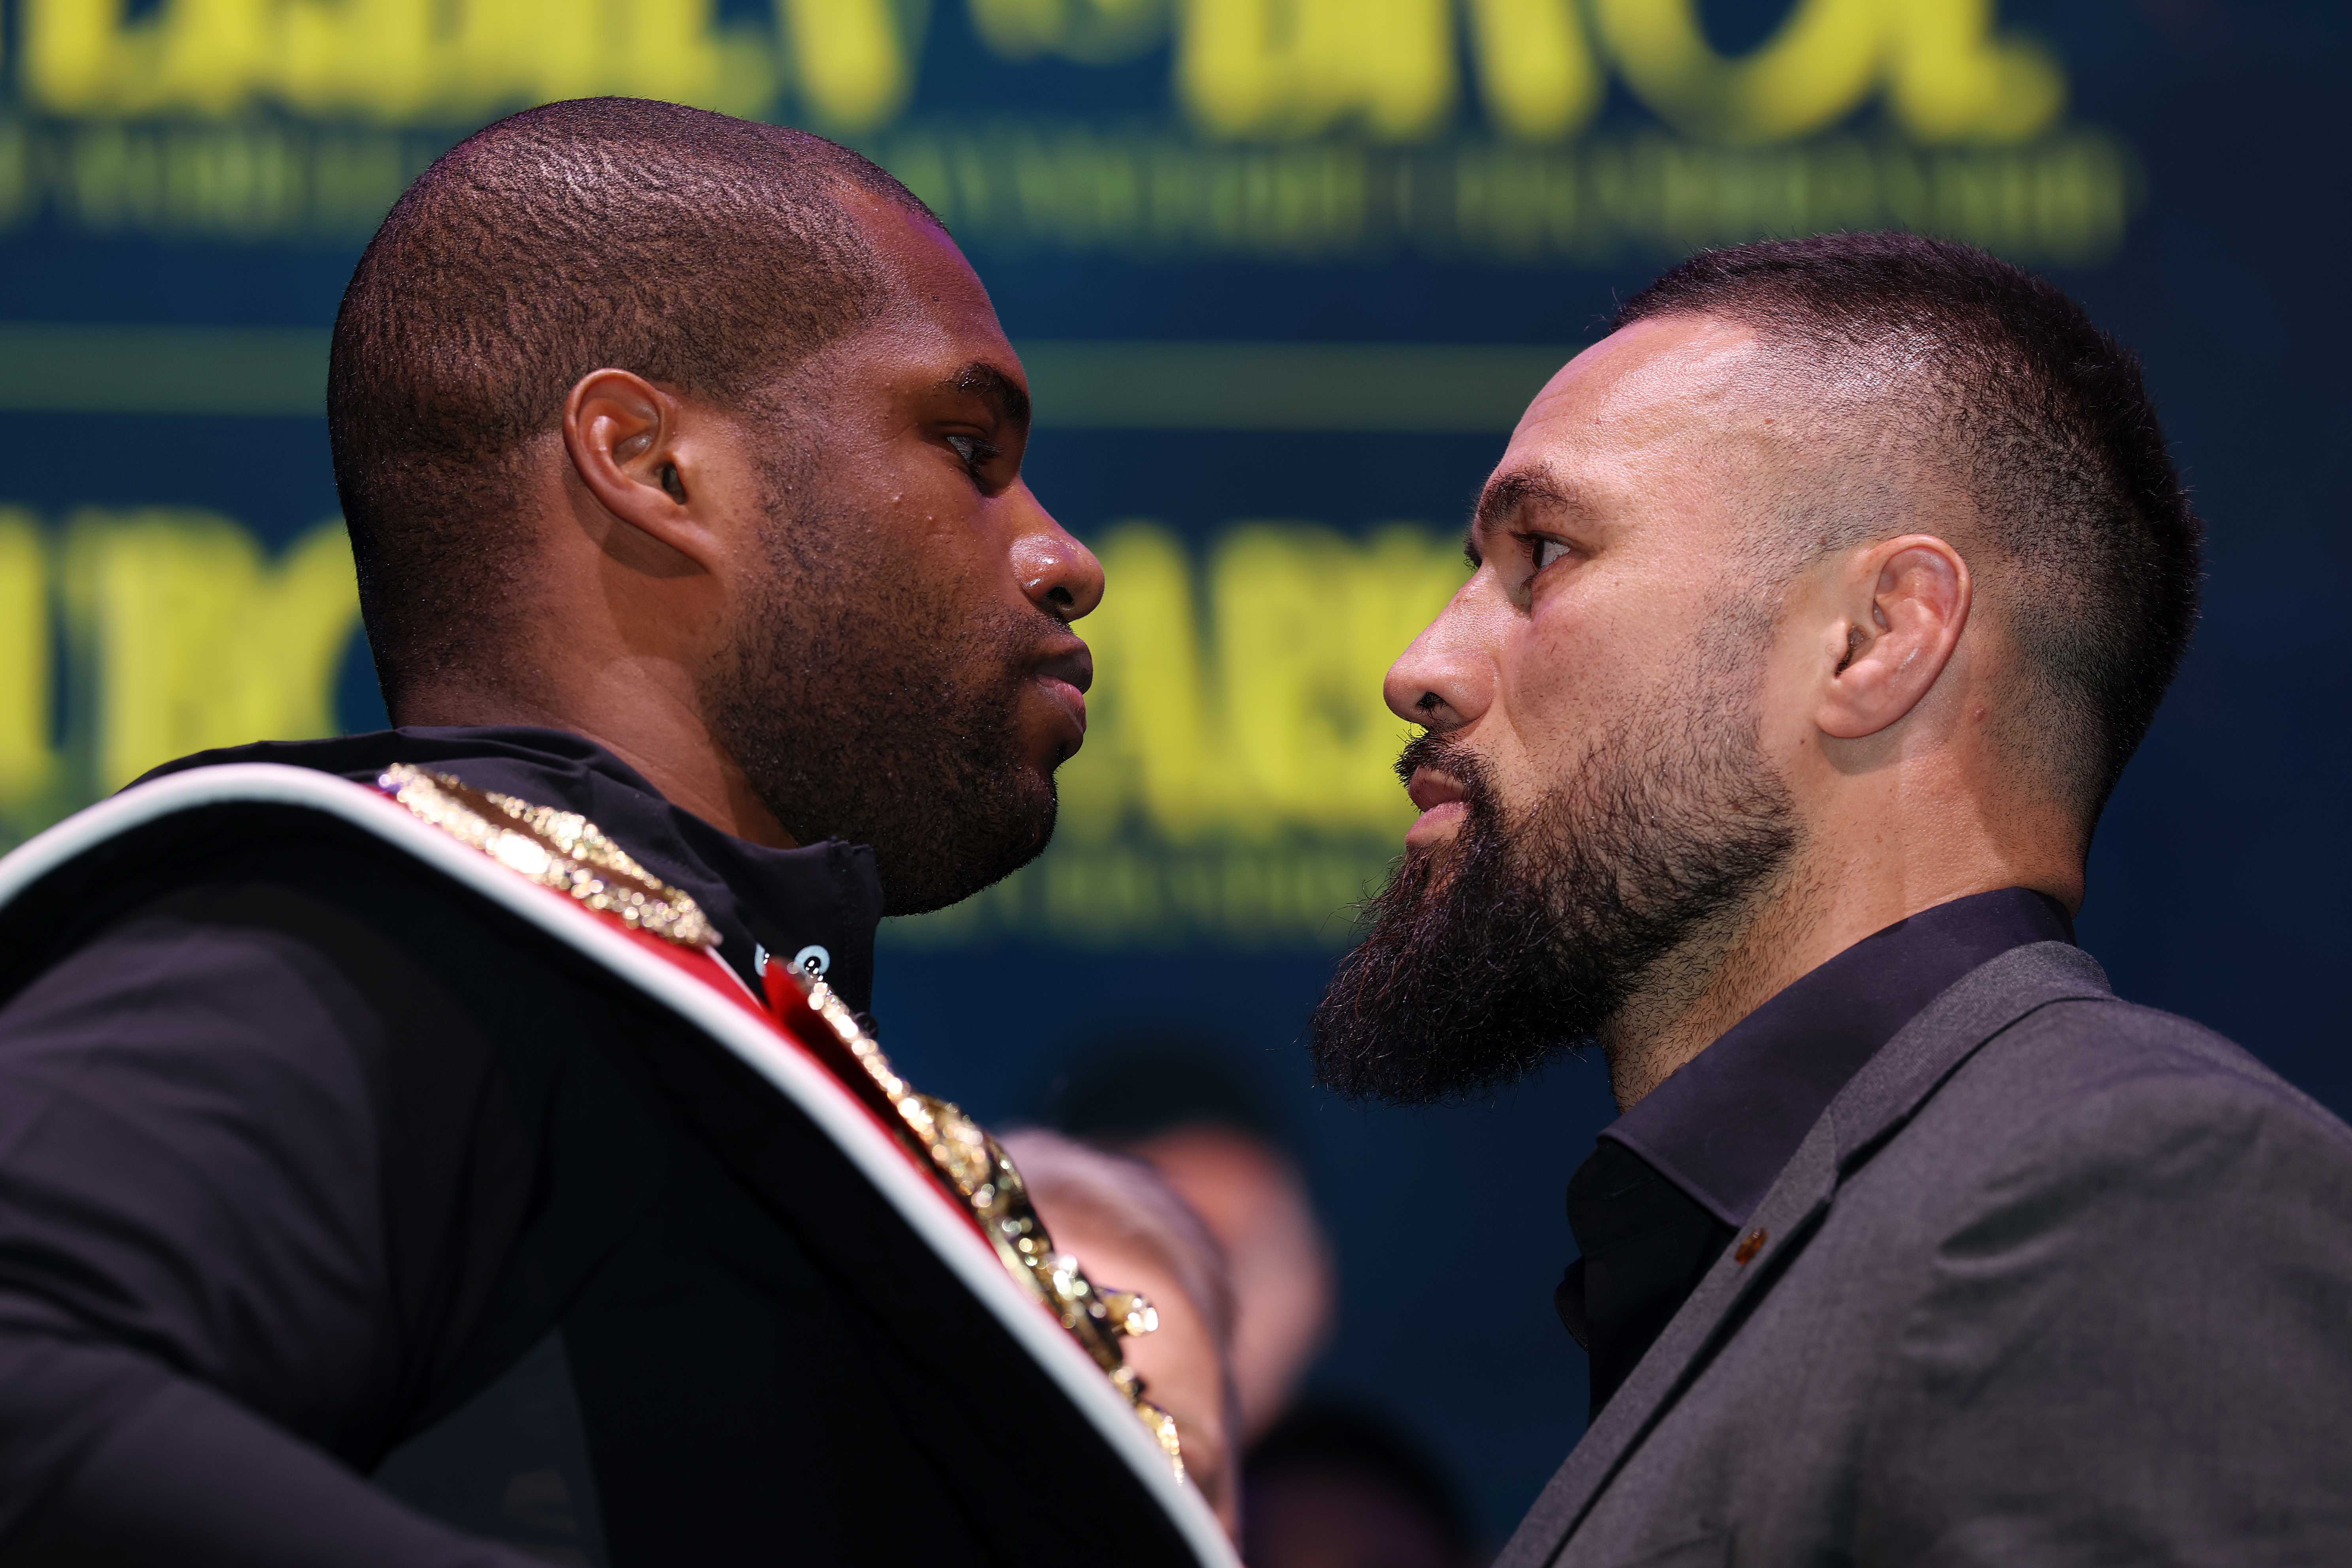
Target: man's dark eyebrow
983,380
1507,494
1520,487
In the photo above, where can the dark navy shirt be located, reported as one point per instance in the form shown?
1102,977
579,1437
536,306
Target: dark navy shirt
1670,1181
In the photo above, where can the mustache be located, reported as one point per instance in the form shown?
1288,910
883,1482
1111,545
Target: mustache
1448,755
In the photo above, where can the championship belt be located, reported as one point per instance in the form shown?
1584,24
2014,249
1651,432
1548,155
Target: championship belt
566,852
902,1158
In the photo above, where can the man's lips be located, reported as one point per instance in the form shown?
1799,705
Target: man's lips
1431,789
1064,674
1442,808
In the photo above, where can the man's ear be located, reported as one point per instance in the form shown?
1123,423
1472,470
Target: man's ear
1906,601
623,435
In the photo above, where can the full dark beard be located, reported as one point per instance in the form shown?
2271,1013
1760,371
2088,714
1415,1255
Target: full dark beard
864,704
1522,938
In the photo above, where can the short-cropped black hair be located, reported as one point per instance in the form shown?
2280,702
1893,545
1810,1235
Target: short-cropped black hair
2002,383
705,253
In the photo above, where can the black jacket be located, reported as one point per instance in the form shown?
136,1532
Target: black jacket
313,1169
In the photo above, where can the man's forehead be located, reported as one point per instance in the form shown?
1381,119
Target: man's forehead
936,326
927,267
1669,380
1674,415
1655,372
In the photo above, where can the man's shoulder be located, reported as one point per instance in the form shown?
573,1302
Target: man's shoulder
501,751
239,921
2109,1100
2088,1285
2084,1056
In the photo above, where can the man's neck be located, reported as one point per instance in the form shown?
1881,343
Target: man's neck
1735,965
1718,976
674,753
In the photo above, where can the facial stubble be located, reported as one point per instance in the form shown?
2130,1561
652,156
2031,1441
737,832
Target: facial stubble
866,703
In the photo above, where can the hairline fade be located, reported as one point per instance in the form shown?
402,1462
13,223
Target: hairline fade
1993,380
708,254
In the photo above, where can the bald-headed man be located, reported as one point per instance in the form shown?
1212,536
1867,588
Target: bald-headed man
459,1144
1815,614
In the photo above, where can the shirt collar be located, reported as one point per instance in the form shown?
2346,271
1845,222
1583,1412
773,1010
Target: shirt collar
828,896
1722,1126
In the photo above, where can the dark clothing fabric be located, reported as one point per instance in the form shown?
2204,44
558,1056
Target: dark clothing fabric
1722,1126
1643,1245
2054,1279
312,1168
781,901
1670,1181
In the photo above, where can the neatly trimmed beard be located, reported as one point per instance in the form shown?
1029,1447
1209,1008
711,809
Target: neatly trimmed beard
866,703
1528,933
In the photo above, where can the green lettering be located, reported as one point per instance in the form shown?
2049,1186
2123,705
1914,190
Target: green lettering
855,58
1817,69
191,639
1296,68
1953,80
1536,69
29,759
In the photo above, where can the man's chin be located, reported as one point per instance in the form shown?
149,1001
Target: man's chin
941,875
1425,873
1444,996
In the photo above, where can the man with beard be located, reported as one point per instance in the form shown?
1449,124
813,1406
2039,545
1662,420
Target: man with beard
681,459
1816,612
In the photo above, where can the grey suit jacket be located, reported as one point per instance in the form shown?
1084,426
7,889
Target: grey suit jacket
2054,1279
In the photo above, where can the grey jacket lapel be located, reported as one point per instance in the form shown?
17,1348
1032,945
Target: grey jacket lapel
1914,1063
1882,1097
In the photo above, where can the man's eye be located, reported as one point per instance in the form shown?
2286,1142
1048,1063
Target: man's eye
974,451
1547,551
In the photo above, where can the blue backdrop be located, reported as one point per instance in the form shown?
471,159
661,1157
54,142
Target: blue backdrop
1283,272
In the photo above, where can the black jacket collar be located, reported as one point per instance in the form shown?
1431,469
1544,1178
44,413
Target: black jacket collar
780,901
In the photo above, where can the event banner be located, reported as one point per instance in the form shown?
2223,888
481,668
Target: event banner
1282,273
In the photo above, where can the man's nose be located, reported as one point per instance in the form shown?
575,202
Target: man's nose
1442,680
1058,574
